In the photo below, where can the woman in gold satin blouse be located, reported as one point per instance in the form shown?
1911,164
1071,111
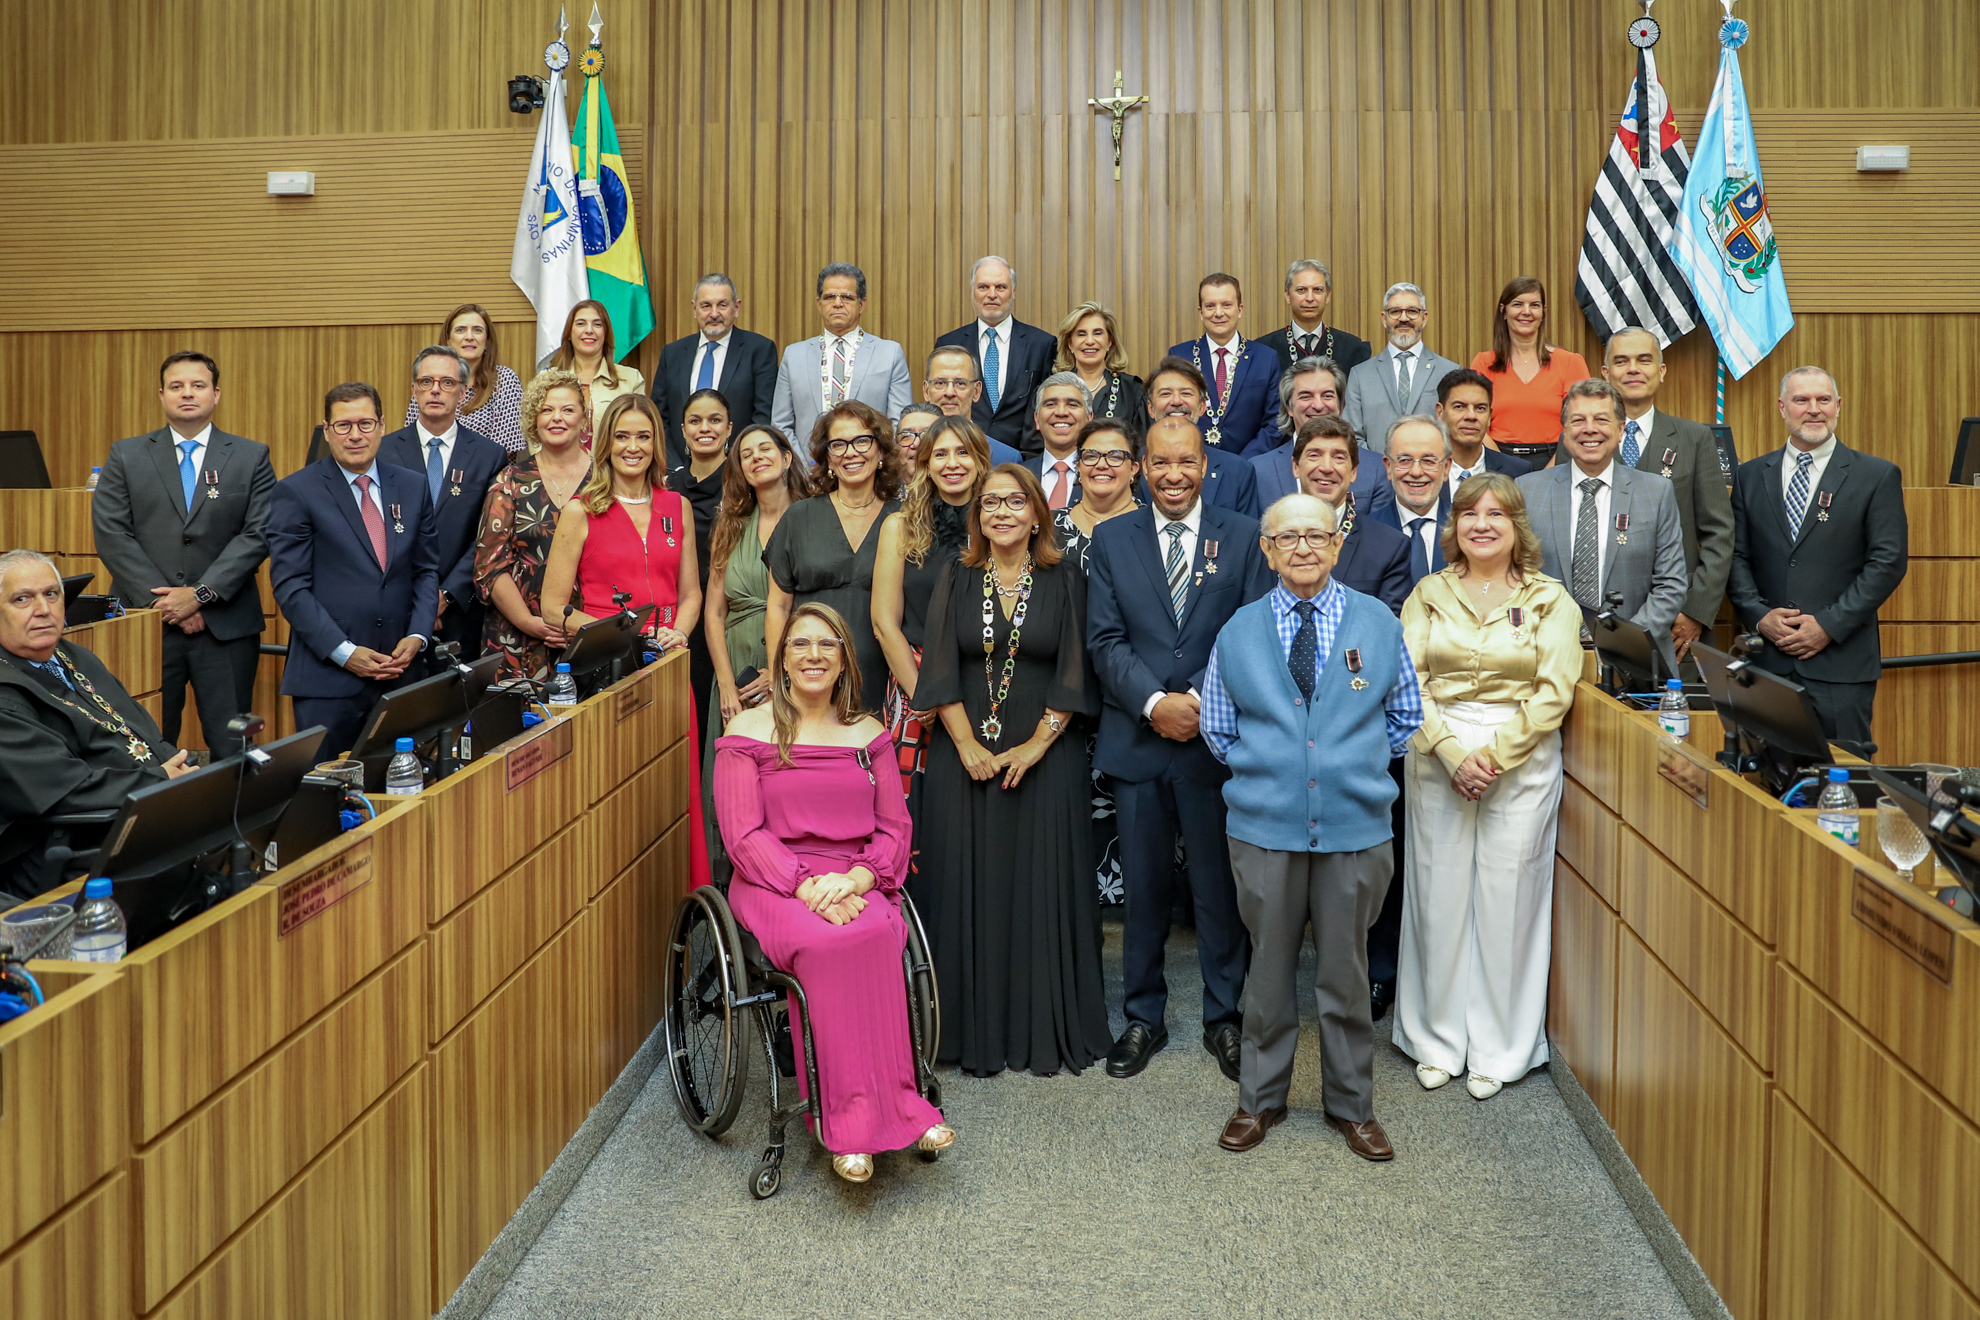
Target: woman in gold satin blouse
1497,645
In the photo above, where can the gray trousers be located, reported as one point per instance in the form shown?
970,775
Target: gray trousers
1341,894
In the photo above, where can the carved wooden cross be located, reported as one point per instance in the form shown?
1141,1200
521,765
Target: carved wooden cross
1118,106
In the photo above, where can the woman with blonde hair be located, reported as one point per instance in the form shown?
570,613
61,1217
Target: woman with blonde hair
492,402
519,521
1497,649
589,351
1090,345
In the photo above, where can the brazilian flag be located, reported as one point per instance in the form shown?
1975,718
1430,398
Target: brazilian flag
605,212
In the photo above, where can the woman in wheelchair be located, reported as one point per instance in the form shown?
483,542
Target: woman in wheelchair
810,807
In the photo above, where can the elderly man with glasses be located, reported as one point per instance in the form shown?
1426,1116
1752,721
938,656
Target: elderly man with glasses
1309,693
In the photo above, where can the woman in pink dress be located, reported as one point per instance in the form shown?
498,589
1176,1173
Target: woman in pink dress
626,532
813,817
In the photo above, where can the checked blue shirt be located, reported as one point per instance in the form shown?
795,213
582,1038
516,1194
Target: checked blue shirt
1402,705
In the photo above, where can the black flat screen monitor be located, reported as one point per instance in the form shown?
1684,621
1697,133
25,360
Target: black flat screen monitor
1770,710
21,465
1628,648
73,585
422,710
1966,454
602,641
1952,827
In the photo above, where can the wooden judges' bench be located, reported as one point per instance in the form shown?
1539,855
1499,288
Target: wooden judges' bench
1780,1032
326,1096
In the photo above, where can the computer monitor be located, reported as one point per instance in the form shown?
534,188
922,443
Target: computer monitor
72,586
611,644
1966,454
21,465
79,608
1775,714
1626,648
1952,826
424,712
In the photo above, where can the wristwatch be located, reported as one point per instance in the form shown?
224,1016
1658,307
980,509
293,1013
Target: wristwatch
204,594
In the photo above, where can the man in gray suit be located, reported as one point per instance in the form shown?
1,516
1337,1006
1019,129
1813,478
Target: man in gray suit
843,363
1605,528
1684,454
180,518
1401,380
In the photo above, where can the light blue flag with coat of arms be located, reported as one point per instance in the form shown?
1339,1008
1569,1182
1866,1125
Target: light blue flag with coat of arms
1723,240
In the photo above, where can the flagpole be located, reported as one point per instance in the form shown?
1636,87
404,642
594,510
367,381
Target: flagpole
1722,390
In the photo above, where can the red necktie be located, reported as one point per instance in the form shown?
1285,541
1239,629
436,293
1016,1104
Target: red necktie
374,521
1223,373
1060,484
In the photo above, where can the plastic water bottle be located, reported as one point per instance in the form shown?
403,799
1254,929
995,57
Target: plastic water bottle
563,688
1836,809
1674,711
405,776
95,473
100,934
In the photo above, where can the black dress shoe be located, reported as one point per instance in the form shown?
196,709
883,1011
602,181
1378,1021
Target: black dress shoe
1137,1045
1226,1046
1381,996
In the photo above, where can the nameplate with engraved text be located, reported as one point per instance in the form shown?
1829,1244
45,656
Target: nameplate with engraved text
526,762
1683,768
635,698
1903,927
304,898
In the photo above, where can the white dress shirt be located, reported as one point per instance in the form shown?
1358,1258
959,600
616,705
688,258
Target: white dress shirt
199,448
1319,333
1458,475
701,350
1048,476
1415,355
1607,476
1644,425
1822,454
1420,527
1001,332
1192,523
426,439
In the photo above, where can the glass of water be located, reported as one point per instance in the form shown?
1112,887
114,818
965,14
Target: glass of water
1902,841
38,930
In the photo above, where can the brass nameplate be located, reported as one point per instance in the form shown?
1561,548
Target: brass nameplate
526,762
305,897
1903,927
1682,767
635,698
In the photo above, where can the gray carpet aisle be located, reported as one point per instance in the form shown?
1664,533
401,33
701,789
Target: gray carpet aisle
1090,1197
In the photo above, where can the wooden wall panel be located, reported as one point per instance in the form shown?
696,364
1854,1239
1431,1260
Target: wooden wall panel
1913,705
78,1266
64,1099
1581,989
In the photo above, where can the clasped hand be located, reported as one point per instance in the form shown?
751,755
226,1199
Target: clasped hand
1795,633
376,665
1474,775
834,896
983,764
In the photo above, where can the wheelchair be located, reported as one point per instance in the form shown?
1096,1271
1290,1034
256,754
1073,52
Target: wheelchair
718,979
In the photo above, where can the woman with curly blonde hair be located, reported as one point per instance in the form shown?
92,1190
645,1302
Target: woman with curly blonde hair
519,522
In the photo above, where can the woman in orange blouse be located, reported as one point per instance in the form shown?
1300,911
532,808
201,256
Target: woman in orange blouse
1530,377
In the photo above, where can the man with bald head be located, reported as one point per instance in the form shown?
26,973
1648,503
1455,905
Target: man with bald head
1821,543
949,382
1162,582
1011,357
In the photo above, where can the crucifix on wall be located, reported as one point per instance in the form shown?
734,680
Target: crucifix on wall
1118,106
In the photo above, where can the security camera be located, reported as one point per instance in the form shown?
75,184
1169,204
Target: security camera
525,94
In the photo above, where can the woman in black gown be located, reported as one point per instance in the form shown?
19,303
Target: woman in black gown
1006,859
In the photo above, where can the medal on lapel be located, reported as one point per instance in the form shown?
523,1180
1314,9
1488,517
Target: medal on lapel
212,484
1517,617
667,529
398,521
1822,503
1670,457
1622,529
457,476
1209,556
1354,667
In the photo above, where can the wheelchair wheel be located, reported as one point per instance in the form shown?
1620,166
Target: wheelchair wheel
705,1053
924,996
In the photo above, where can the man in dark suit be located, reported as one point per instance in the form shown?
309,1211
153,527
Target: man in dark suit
1416,458
1309,292
1822,543
1684,454
1241,380
181,517
1062,410
354,555
1313,388
721,356
460,465
1011,357
1164,581
1464,406
1371,556
1177,389
949,381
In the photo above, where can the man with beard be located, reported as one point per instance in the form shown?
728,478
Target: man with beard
1401,380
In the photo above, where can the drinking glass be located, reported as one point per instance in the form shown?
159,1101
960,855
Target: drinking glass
1902,841
26,931
1936,778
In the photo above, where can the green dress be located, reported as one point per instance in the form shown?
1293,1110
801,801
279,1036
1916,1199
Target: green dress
746,585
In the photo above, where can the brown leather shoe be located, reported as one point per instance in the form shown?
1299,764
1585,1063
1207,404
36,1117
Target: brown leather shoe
1367,1140
1246,1130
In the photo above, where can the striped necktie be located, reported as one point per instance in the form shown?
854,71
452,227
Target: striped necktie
837,394
1797,493
1177,569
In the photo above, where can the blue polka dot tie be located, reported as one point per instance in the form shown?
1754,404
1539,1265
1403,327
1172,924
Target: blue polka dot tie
1304,657
1632,447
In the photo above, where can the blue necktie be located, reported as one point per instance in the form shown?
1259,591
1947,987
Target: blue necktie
1632,448
55,669
1419,554
1797,493
990,360
705,379
434,472
1176,569
1304,657
186,474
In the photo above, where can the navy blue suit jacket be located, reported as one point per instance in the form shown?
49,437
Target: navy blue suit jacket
1375,562
457,518
1228,483
1136,646
1274,470
1387,512
1254,403
1032,352
328,582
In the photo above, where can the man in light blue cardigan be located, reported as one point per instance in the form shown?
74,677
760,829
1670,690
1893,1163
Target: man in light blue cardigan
1308,694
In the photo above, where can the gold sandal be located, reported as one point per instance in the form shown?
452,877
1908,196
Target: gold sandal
853,1168
938,1138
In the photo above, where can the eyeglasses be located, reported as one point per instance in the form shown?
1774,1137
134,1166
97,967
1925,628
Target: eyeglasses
1294,540
1411,464
909,433
1403,313
1015,502
363,426
826,647
857,444
1112,458
949,383
437,382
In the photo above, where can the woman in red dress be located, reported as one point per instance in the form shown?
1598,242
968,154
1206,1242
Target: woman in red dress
626,532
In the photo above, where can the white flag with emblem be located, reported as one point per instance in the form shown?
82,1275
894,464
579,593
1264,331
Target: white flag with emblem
548,262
